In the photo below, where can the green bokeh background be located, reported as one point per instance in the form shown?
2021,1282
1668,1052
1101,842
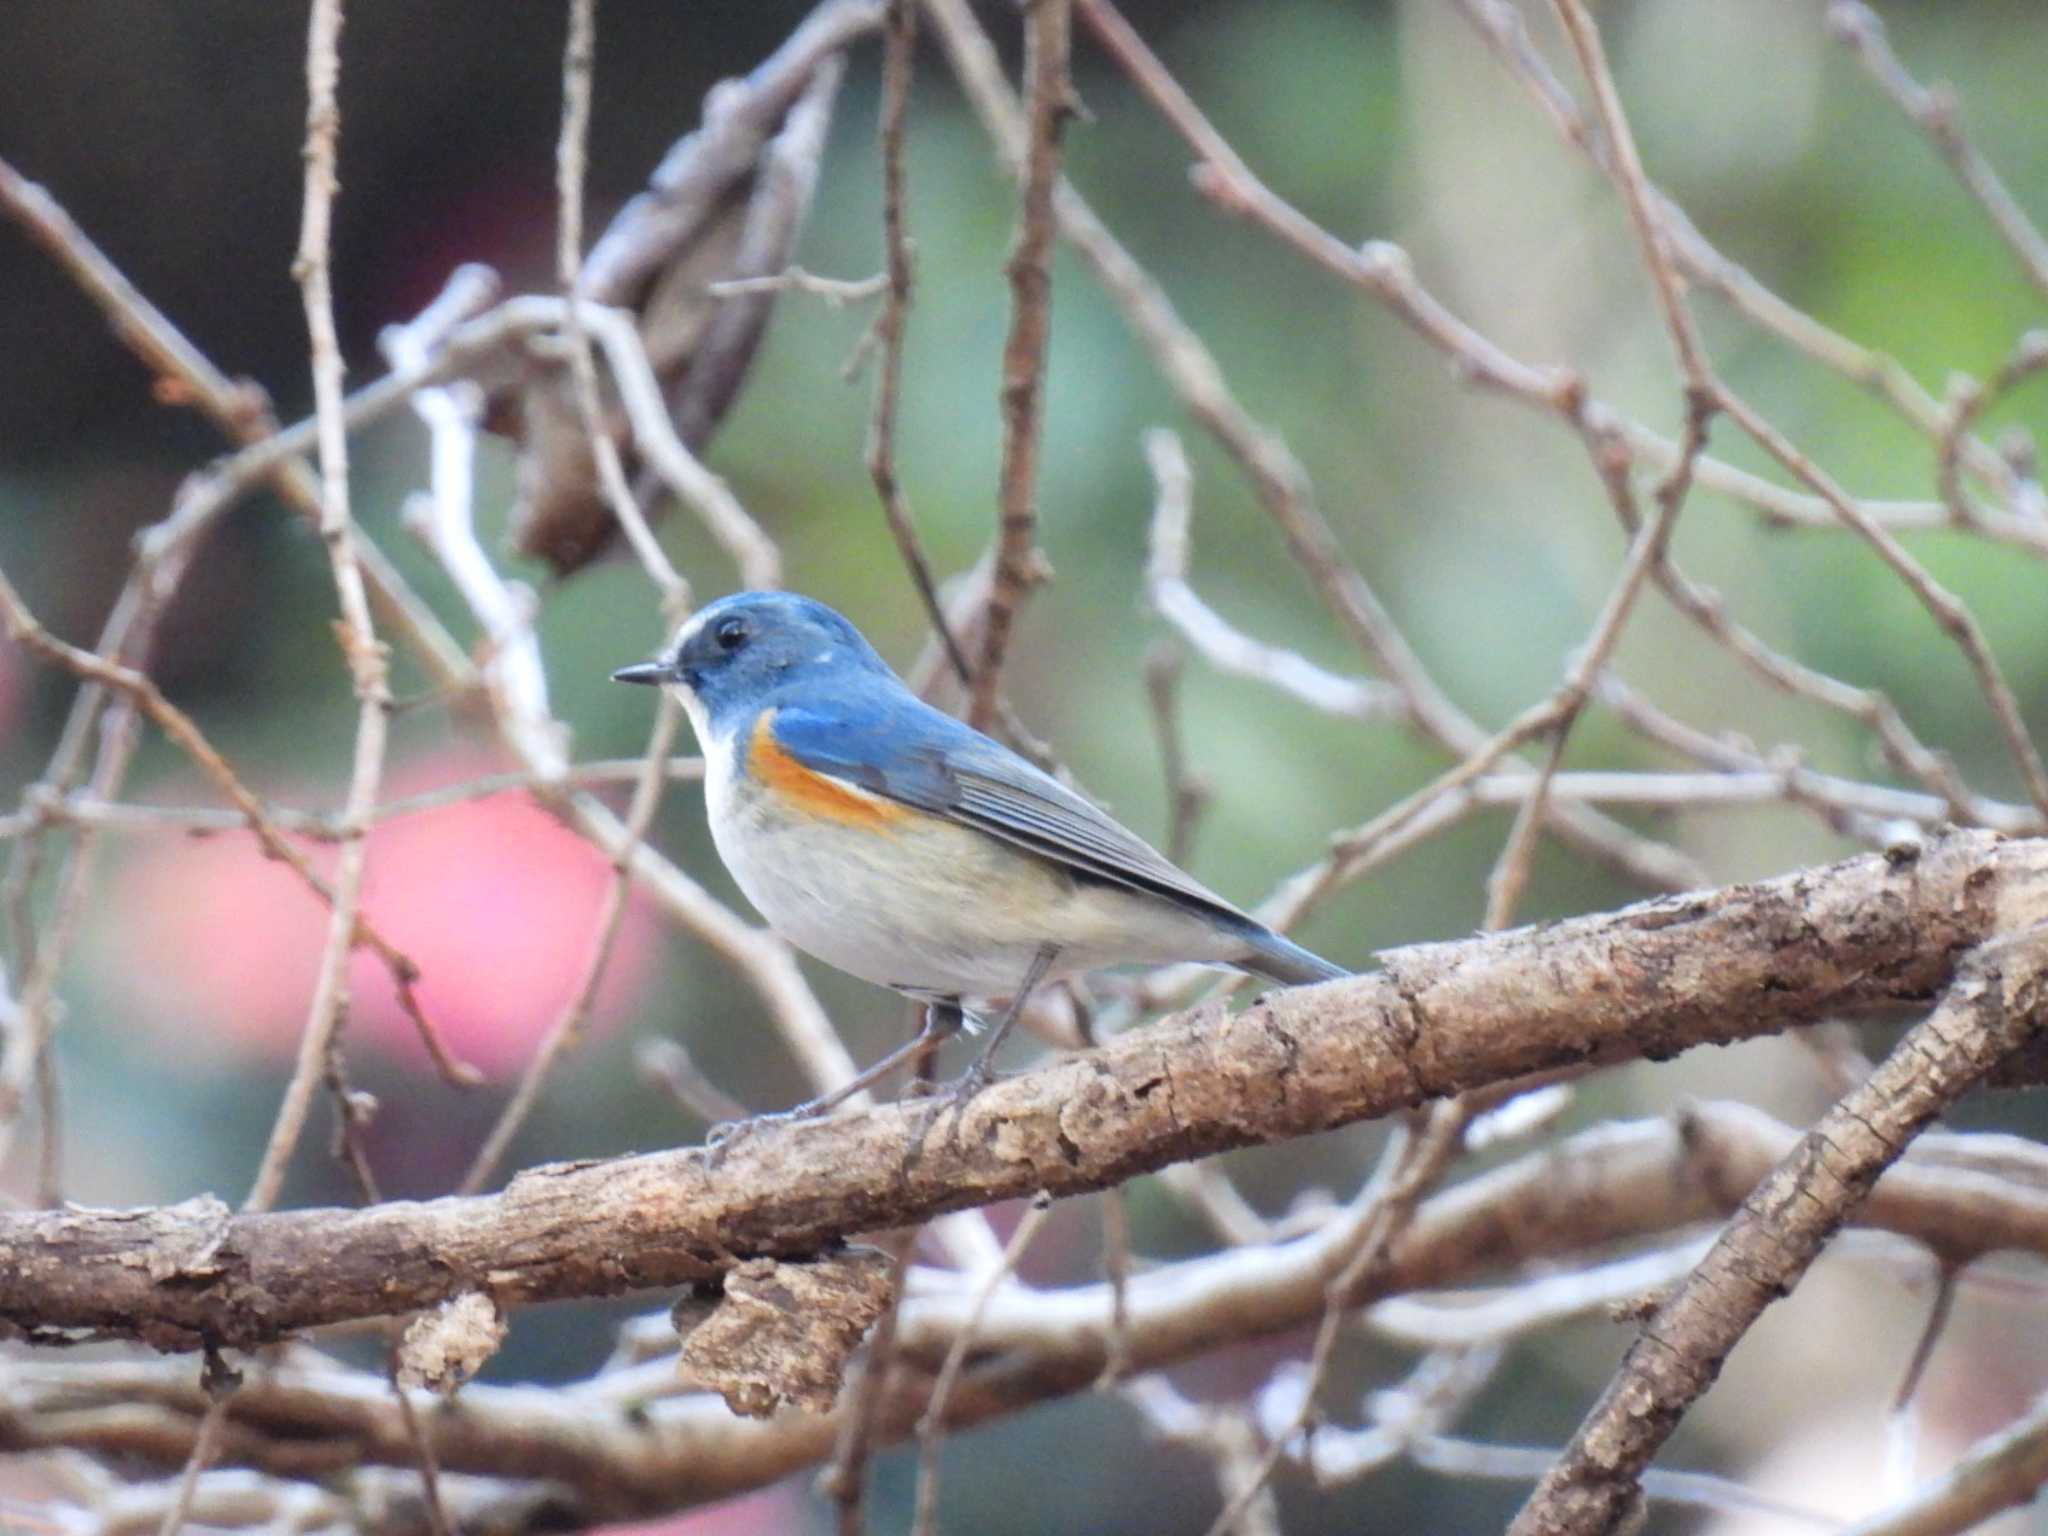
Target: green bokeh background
172,135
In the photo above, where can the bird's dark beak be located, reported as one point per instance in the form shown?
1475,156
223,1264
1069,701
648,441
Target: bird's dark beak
642,672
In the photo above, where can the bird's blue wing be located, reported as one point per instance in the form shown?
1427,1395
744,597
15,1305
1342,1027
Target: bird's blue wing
909,752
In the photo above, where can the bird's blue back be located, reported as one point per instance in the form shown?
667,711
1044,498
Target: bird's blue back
870,731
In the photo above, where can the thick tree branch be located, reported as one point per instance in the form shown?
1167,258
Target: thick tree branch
1995,1005
1705,968
621,1446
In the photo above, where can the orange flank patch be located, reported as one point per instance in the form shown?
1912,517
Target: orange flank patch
770,766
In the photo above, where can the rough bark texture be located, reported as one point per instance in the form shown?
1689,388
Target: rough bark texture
1704,968
1988,1014
303,1415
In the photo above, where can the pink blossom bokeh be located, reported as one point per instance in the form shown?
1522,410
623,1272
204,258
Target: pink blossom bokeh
13,686
496,902
778,1511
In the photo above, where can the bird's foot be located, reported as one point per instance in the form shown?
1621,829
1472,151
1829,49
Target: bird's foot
727,1134
948,1100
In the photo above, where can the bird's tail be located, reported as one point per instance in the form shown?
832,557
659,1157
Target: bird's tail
1286,962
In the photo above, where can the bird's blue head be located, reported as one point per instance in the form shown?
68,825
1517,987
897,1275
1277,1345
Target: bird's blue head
735,655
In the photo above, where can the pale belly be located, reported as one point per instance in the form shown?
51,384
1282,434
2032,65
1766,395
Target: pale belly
933,908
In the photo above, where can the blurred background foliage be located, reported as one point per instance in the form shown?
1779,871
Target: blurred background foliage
172,135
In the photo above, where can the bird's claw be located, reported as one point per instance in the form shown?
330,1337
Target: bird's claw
949,1099
727,1134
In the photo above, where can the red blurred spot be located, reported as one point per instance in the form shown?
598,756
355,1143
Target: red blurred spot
496,902
776,1510
13,685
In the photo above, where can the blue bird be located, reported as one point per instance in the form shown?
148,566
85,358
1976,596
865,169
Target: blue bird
905,847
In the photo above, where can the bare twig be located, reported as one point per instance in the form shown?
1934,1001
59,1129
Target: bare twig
423,1452
1282,484
1646,552
1186,792
899,55
667,1065
845,1481
2000,1472
1500,24
22,627
1936,113
1947,610
205,1443
835,291
1222,646
364,653
579,52
444,518
1902,1424
569,1024
203,821
1967,403
1642,211
678,468
931,1424
1227,1436
1018,566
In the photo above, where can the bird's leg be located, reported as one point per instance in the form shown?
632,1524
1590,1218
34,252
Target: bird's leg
976,1077
942,1020
953,1099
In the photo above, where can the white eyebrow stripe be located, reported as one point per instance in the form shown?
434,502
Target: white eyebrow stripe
686,634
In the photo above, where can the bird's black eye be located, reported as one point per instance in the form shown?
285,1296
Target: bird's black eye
731,634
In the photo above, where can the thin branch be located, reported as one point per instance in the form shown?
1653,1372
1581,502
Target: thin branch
899,57
1947,610
1187,793
203,821
835,291
1500,25
1646,552
1936,114
752,551
579,51
205,1443
931,1424
237,407
1642,210
1967,403
1282,484
667,1065
22,627
444,519
568,1027
845,1481
1226,1436
367,663
1018,566
2000,1472
423,1451
1223,646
